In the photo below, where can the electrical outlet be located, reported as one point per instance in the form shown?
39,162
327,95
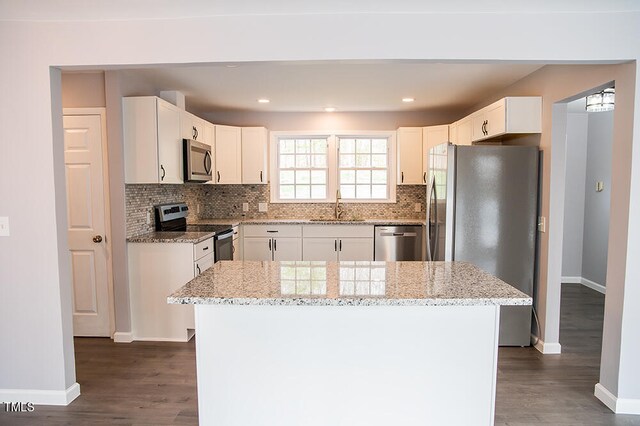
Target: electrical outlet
148,218
245,207
417,207
4,226
262,207
542,224
198,208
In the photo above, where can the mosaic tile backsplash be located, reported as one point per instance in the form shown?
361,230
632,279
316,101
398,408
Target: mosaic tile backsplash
221,201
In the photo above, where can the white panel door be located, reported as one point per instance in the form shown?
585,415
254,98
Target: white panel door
86,220
355,249
257,248
409,156
287,249
169,143
254,155
325,249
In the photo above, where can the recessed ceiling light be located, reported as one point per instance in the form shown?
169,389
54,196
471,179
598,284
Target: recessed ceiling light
408,99
264,101
329,109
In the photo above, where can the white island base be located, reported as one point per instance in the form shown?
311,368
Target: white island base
346,365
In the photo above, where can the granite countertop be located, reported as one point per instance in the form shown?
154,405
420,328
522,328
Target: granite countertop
347,284
236,221
171,237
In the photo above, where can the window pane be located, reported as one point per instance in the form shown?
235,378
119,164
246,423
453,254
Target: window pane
362,274
363,191
287,146
379,176
286,177
303,146
303,192
287,161
287,192
363,176
319,161
379,160
348,191
302,161
363,160
303,176
347,145
318,191
319,176
347,160
347,176
379,145
318,273
379,191
319,146
363,146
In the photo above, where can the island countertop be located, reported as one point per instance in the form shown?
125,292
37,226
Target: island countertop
360,283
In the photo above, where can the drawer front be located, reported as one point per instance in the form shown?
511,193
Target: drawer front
203,248
338,231
272,231
202,264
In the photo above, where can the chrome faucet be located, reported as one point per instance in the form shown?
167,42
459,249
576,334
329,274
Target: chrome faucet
338,209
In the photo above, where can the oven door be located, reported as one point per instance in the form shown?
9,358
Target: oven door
224,245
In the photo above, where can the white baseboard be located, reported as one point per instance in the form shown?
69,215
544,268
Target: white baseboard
615,404
119,337
585,282
547,348
41,397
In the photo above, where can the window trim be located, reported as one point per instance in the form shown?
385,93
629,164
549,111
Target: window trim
332,163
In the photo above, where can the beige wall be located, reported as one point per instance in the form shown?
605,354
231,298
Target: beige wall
83,89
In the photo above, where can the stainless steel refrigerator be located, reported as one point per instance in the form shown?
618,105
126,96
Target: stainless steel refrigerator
482,208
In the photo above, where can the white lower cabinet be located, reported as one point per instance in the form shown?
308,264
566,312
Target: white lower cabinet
272,242
337,242
155,271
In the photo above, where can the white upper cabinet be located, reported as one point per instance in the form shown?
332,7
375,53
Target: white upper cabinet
460,131
511,115
254,155
432,136
228,155
152,140
409,156
196,128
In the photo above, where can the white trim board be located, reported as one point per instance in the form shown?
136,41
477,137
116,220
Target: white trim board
40,396
615,404
546,348
585,282
122,337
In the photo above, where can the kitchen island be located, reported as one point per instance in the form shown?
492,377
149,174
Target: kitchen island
346,343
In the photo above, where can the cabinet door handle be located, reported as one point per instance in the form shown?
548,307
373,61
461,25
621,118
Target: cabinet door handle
163,172
424,177
275,245
205,248
198,268
269,244
340,247
486,123
335,245
401,177
194,133
218,176
260,176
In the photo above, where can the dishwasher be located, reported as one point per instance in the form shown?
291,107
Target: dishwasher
398,243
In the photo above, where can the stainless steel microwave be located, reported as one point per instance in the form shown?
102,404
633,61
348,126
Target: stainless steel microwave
197,161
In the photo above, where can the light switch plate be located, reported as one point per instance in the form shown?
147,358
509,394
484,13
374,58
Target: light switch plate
4,226
148,218
245,207
262,207
417,207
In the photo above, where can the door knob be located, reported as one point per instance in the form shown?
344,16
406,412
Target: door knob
97,239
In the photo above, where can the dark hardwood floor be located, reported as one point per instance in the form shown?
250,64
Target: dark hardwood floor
155,383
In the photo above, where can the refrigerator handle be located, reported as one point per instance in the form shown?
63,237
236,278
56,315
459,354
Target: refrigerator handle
437,225
428,230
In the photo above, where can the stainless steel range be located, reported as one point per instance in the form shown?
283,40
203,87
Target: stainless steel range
173,218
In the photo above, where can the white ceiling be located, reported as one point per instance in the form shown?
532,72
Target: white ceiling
347,86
